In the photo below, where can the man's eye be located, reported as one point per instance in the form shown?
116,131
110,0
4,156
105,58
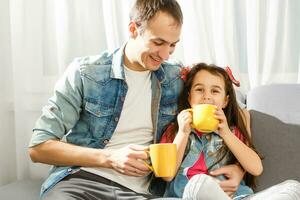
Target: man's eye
215,91
158,43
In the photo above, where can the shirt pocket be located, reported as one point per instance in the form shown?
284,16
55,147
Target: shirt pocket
98,109
99,116
218,143
214,146
168,107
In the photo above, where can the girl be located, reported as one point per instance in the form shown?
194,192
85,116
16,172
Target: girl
200,153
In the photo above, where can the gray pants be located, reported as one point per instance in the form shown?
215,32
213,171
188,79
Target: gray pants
87,186
203,187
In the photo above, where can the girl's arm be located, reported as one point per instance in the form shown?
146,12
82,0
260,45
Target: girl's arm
184,120
246,156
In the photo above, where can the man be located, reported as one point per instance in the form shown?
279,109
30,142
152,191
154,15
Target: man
107,109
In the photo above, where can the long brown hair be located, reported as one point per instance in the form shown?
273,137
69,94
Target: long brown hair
232,111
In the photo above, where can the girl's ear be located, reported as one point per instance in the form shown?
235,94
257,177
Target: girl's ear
226,100
133,32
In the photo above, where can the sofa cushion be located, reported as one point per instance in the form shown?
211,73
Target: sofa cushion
24,190
278,142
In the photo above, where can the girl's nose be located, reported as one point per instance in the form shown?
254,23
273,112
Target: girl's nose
207,97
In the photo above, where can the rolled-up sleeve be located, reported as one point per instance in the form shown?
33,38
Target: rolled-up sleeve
63,108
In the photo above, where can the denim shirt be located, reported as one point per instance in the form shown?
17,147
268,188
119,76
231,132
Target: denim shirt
88,101
209,144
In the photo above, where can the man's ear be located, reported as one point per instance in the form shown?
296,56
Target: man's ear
133,32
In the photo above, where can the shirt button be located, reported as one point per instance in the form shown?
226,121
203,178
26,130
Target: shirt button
210,153
116,119
70,170
106,141
98,113
208,137
122,99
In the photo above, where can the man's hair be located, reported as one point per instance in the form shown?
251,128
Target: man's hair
144,10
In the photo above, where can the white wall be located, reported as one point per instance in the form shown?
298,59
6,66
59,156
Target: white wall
7,138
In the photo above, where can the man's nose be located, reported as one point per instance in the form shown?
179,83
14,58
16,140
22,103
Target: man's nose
165,52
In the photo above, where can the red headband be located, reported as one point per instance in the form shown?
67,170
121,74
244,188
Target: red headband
234,81
184,72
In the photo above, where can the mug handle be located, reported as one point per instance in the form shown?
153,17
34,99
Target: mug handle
191,110
148,165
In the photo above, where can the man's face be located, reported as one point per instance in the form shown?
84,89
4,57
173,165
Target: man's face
155,43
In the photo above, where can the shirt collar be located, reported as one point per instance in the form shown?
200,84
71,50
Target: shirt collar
117,70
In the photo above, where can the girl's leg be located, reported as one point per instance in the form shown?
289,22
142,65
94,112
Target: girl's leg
287,190
203,187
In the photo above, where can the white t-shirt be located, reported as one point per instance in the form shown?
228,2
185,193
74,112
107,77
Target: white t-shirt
134,127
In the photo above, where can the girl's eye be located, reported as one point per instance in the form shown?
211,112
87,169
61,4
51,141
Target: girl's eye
215,91
199,89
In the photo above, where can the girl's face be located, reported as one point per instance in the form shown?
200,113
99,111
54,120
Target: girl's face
209,89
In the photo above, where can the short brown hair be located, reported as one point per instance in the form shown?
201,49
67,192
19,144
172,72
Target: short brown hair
145,10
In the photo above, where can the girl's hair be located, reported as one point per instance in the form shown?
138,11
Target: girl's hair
232,111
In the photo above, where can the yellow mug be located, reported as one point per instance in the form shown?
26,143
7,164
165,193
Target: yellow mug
203,118
163,158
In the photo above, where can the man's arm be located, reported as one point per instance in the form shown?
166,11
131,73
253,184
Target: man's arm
234,174
125,160
59,116
59,153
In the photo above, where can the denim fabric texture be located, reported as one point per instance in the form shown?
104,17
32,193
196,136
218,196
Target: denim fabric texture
209,144
88,100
